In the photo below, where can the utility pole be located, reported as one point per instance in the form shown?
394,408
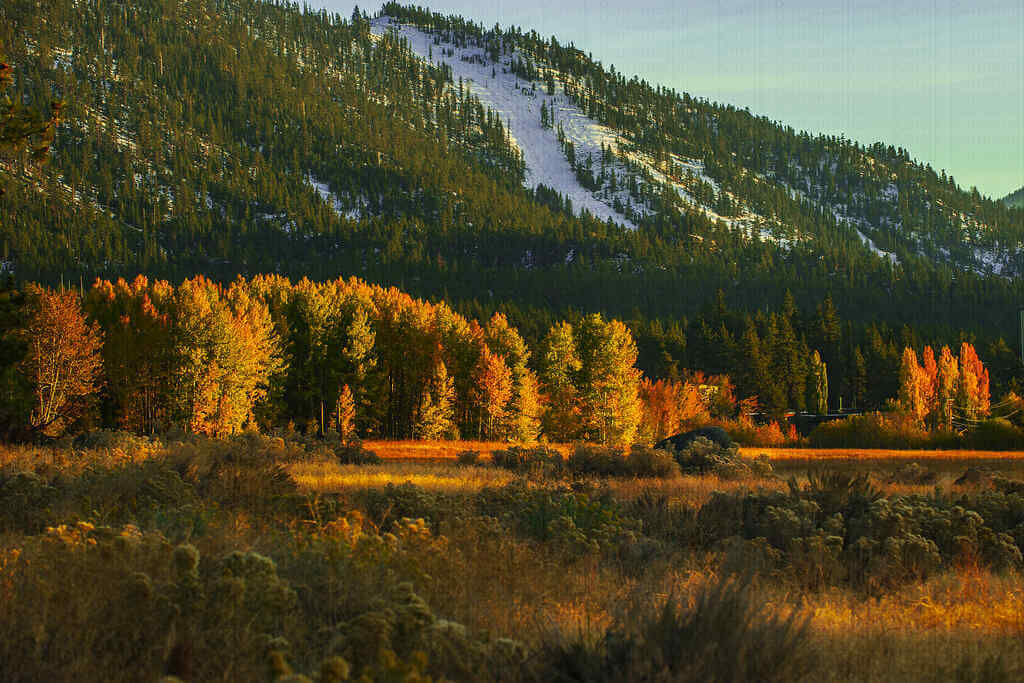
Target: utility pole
1022,336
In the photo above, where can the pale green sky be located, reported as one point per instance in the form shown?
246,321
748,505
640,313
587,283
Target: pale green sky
944,80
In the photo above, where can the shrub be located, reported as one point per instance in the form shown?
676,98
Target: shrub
996,435
705,457
879,430
913,474
536,460
392,503
724,635
576,521
745,431
838,528
609,461
467,458
650,462
353,453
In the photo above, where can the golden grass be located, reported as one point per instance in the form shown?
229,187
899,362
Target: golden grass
873,454
330,477
442,450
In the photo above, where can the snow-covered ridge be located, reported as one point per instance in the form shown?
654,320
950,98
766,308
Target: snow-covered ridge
519,105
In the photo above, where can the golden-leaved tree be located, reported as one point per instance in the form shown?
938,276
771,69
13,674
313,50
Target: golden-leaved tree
560,365
226,353
937,391
608,381
63,363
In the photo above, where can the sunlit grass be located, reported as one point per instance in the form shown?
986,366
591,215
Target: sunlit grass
875,454
441,450
329,477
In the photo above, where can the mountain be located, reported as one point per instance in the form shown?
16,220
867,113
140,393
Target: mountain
489,167
1015,199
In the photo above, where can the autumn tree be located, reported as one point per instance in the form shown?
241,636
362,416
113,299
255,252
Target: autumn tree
560,365
972,397
435,417
226,354
492,390
344,415
911,399
63,363
137,354
947,379
526,410
521,421
669,407
608,381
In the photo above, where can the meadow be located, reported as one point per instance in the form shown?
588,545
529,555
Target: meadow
262,558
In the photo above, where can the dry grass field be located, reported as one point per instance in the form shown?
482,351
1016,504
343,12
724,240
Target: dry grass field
441,450
876,454
552,562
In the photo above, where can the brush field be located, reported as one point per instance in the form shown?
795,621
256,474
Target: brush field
255,558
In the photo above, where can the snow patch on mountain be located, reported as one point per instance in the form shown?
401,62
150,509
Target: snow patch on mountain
355,213
518,103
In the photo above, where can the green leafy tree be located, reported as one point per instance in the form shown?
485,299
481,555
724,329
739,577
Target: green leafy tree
818,394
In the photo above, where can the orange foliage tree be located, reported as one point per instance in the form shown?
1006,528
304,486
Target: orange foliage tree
937,391
63,363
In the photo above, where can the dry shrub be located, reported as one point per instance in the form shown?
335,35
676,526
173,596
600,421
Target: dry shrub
725,634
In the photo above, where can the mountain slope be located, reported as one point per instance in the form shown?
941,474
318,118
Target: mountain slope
750,172
232,137
1015,199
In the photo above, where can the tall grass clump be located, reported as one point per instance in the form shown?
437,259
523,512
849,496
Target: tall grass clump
724,634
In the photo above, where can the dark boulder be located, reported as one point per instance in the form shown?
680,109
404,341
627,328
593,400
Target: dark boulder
715,435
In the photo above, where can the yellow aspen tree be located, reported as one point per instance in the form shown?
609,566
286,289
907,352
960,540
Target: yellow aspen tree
947,379
63,363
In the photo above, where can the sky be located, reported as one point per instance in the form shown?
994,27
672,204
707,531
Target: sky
942,79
